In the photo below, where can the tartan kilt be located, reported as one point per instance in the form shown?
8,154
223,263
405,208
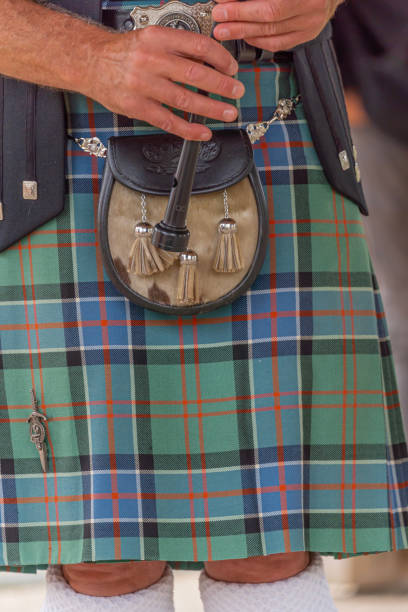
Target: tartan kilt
269,425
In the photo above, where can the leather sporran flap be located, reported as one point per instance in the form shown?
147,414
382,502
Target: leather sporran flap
227,219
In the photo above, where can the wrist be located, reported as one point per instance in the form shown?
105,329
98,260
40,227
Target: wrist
85,66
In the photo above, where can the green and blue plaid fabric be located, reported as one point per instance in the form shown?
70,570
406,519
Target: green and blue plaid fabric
269,425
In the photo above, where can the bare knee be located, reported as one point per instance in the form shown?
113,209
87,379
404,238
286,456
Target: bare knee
110,579
258,569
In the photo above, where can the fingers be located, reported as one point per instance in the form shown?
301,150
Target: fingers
189,44
183,70
258,11
281,43
244,29
158,116
179,97
274,25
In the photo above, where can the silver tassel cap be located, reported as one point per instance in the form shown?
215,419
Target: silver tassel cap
228,253
144,258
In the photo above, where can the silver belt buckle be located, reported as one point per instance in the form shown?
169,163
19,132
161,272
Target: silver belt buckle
175,14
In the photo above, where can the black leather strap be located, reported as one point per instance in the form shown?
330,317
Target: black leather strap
1,143
37,156
324,105
30,132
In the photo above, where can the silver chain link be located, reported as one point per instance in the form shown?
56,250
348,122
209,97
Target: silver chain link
284,109
226,207
94,146
144,208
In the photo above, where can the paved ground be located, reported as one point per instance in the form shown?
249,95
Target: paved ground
25,594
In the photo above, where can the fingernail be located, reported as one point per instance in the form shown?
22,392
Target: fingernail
229,115
205,136
223,33
238,90
219,13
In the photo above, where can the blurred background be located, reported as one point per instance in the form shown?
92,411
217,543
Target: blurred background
371,40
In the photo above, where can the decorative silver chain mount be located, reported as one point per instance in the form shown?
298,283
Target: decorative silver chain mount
93,146
283,111
177,15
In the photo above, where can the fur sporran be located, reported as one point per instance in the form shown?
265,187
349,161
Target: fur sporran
227,219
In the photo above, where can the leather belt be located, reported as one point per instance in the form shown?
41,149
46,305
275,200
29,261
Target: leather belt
120,19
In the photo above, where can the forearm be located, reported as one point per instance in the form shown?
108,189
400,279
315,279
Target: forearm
48,47
136,74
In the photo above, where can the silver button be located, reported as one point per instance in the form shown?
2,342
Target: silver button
344,160
30,190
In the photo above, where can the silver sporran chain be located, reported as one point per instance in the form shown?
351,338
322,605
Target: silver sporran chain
283,111
94,146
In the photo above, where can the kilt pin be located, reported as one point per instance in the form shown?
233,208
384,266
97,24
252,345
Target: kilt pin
269,425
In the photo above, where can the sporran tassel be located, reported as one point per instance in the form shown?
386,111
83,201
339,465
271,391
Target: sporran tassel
228,253
187,287
168,257
144,258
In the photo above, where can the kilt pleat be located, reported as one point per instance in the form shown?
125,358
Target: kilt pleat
269,425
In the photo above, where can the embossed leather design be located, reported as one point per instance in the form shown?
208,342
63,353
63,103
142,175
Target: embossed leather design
148,163
162,157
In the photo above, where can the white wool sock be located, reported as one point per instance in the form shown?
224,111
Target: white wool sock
305,592
60,597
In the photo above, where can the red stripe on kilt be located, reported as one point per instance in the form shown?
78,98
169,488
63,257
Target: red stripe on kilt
201,439
106,352
207,400
235,318
211,494
266,69
201,415
198,415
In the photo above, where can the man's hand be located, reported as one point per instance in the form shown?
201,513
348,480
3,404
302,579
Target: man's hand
134,74
274,25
